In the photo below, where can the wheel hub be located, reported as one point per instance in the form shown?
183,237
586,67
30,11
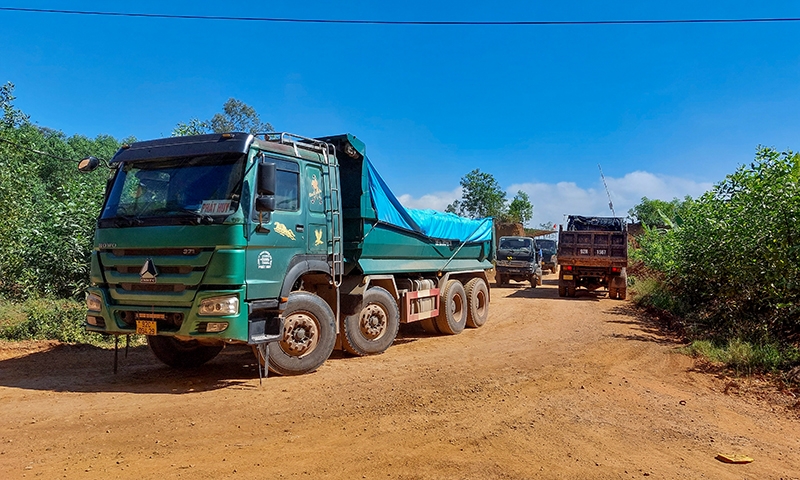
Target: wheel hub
300,334
373,322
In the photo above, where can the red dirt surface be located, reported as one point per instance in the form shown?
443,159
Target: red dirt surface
548,388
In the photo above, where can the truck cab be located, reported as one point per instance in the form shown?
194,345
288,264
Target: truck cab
548,249
518,259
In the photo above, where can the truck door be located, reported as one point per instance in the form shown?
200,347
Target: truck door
317,222
283,235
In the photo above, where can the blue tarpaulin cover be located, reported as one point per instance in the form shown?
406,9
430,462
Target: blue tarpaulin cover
431,223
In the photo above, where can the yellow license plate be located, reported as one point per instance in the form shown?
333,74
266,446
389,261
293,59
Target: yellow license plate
145,327
567,277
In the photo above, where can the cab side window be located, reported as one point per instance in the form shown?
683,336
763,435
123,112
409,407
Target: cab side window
287,196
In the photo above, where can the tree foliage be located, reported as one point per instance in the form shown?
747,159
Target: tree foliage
47,208
236,116
732,266
481,196
520,209
658,213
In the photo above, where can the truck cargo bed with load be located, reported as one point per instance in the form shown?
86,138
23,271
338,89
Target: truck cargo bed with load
292,245
593,253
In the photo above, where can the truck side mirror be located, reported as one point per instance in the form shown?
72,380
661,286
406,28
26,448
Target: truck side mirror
266,179
265,203
88,164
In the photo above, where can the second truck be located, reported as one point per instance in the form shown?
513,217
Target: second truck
292,245
593,253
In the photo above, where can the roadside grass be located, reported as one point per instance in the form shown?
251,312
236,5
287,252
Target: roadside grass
48,319
741,356
745,358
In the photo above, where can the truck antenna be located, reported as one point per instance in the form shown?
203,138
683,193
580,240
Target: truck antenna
610,203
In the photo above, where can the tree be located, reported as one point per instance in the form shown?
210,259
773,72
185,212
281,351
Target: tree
236,116
481,196
520,209
47,208
658,213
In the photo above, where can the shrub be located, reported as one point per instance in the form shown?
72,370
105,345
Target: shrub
47,319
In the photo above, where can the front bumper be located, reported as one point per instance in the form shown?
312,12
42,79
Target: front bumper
182,322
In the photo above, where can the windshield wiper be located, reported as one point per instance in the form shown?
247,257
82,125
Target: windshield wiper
121,221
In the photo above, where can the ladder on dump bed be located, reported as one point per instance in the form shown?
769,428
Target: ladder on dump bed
333,201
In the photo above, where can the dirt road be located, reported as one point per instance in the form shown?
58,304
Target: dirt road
548,388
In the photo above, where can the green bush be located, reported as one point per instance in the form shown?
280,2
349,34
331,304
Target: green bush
731,263
47,208
46,319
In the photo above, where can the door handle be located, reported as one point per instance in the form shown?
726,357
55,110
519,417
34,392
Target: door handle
299,227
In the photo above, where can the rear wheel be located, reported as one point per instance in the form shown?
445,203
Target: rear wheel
180,353
623,293
612,292
571,290
429,324
562,289
374,328
477,302
309,335
501,280
452,309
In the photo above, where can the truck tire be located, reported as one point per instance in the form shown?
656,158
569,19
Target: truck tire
623,293
562,289
612,292
501,280
181,354
452,309
309,335
429,324
372,330
534,281
477,302
571,289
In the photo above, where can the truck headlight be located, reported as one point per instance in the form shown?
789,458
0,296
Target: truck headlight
218,306
94,303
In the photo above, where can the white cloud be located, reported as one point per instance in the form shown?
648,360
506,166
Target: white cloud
434,201
553,200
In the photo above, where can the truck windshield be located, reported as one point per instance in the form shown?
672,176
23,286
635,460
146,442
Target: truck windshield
204,188
546,244
515,244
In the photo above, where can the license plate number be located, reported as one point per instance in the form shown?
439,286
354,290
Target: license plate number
145,327
567,277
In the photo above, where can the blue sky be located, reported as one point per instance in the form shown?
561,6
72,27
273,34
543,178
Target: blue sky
667,110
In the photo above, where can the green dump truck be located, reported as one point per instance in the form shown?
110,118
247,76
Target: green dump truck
291,245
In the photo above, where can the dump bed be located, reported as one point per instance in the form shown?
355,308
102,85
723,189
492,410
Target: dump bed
593,242
380,236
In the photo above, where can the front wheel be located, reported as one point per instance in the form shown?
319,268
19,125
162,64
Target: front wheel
374,328
181,353
309,335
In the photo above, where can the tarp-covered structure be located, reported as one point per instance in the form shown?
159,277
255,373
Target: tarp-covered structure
431,223
604,224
